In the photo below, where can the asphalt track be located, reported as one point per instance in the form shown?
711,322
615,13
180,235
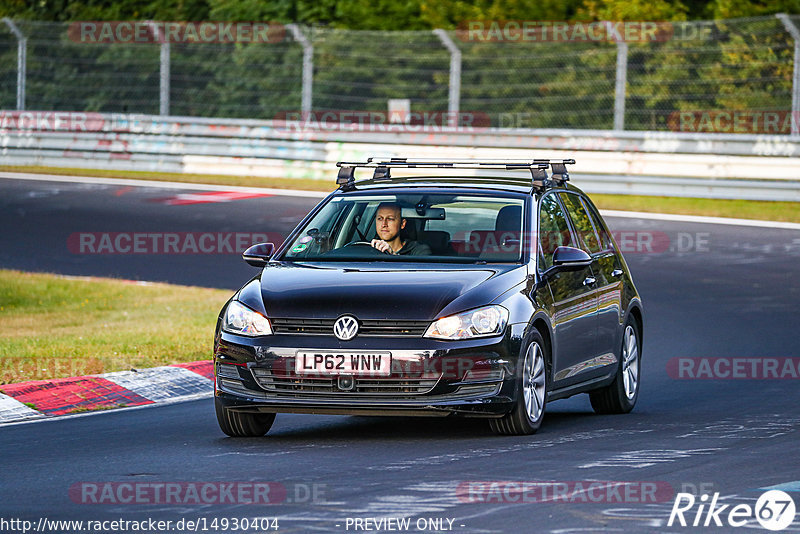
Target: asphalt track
709,291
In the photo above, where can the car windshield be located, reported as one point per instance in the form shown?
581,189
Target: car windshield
420,227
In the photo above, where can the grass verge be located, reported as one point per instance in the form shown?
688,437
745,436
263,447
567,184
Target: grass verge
54,327
741,209
308,184
738,209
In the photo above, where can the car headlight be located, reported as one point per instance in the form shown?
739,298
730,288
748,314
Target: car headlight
482,322
239,319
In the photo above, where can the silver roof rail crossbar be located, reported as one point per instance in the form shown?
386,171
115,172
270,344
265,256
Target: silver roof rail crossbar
382,166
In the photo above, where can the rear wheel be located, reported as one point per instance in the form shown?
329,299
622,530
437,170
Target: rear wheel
242,425
528,412
620,396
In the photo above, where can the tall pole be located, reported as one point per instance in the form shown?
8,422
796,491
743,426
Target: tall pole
795,33
22,61
308,68
621,78
454,95
164,71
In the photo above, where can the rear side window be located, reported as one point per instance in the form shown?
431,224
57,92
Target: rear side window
605,240
553,230
583,224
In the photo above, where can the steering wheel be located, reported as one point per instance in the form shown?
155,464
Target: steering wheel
354,249
363,244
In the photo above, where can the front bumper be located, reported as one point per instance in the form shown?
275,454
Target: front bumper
428,377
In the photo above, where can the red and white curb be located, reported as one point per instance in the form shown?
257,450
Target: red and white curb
63,396
208,197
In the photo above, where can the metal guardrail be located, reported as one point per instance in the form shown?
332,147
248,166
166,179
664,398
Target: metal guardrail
753,167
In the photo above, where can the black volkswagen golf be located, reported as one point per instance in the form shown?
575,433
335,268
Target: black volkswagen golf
483,295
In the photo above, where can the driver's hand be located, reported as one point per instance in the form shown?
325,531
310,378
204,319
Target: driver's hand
381,245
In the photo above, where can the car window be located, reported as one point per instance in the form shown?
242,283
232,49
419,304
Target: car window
440,227
583,224
600,228
553,230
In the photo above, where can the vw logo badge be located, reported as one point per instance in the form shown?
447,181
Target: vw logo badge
345,327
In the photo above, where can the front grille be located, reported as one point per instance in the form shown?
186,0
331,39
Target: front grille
328,385
366,328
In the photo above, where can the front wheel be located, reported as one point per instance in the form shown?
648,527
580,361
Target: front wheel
528,412
620,396
242,425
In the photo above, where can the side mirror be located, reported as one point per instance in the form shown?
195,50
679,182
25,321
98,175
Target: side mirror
258,255
570,258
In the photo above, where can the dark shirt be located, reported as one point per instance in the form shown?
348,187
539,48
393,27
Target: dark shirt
414,248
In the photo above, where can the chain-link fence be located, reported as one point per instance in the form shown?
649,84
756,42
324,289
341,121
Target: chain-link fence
502,77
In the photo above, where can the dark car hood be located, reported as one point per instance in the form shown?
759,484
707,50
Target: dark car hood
376,292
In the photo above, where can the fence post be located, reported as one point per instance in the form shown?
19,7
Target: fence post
795,33
163,93
308,69
454,95
22,61
163,77
621,82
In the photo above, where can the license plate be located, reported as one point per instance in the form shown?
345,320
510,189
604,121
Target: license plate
343,363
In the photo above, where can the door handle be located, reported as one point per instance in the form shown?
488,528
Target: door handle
589,280
616,272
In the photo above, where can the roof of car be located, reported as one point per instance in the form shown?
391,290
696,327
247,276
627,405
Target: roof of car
518,176
516,185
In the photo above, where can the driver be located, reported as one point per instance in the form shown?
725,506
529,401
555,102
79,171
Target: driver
388,224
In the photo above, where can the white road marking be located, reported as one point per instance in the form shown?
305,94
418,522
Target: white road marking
700,219
154,184
786,486
648,458
320,195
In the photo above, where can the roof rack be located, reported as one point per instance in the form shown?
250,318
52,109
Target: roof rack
382,166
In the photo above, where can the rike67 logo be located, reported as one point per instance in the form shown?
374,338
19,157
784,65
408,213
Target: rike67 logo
774,510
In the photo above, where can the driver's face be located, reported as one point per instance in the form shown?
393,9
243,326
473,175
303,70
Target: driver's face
388,223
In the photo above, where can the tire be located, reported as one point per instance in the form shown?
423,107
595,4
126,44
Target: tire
528,412
242,425
620,396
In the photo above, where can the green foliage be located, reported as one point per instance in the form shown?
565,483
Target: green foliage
728,9
726,65
716,65
389,14
69,10
650,10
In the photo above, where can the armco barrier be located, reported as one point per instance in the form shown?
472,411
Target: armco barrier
754,167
